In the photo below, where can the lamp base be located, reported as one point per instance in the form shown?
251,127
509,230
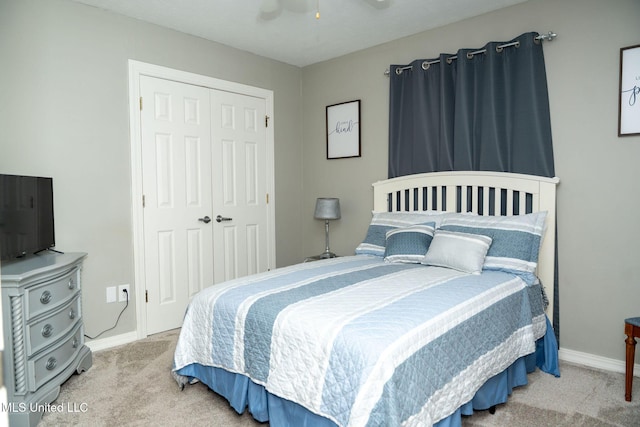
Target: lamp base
326,255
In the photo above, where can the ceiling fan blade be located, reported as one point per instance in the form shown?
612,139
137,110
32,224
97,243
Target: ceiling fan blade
269,6
271,9
298,6
379,4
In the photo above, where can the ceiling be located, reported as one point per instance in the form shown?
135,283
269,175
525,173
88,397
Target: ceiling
288,31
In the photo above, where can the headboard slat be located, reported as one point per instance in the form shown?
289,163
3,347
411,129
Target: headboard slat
510,211
535,201
450,198
462,199
475,205
522,205
497,203
485,200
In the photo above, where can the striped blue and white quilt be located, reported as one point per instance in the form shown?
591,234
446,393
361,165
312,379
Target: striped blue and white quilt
362,341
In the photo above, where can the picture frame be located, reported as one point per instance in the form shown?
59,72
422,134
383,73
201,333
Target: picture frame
343,130
629,91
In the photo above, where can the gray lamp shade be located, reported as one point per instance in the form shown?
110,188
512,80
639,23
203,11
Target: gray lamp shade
327,208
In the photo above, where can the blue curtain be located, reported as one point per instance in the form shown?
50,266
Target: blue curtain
477,109
480,111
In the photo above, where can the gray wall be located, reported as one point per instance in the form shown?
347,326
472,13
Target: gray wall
598,249
64,113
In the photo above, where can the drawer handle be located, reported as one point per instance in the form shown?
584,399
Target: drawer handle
74,343
71,284
47,330
45,297
72,314
51,364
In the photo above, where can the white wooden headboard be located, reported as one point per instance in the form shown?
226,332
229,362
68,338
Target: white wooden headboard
484,193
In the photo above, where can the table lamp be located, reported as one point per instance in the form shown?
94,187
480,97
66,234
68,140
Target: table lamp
327,208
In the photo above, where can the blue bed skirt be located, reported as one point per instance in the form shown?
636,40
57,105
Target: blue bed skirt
243,394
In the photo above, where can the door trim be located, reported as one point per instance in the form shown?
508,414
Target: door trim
136,69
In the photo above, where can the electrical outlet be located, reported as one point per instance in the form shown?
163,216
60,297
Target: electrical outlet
122,295
111,294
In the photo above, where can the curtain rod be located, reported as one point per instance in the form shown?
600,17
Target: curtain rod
426,64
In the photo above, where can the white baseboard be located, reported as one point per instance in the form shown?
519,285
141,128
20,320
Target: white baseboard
109,342
571,356
593,361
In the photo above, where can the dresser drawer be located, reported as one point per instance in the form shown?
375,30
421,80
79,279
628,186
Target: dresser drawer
47,295
46,366
46,331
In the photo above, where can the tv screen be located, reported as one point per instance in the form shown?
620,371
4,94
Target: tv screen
26,215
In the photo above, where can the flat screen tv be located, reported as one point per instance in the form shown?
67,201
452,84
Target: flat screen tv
26,216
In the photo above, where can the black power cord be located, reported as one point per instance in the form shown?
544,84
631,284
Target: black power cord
117,320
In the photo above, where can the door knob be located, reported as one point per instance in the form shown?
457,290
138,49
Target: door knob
206,219
220,218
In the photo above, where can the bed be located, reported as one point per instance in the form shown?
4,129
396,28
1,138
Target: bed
440,312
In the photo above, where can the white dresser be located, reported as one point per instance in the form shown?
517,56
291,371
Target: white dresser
43,331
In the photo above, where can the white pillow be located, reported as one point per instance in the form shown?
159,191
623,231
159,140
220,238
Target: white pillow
459,251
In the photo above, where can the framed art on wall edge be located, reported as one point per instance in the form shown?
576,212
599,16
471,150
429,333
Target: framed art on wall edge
343,130
629,101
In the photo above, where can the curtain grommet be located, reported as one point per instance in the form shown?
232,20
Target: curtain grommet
398,71
426,65
501,47
449,61
469,55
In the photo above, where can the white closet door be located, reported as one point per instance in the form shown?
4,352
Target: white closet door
204,177
177,186
240,175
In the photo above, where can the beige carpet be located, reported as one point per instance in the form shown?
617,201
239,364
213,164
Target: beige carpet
131,385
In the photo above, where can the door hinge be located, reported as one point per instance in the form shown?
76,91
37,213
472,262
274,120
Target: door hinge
140,103
266,121
143,201
146,296
267,198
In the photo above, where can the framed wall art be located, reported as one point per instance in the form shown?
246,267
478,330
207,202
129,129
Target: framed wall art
629,101
343,130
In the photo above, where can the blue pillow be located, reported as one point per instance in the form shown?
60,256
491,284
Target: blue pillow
409,244
375,241
515,240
